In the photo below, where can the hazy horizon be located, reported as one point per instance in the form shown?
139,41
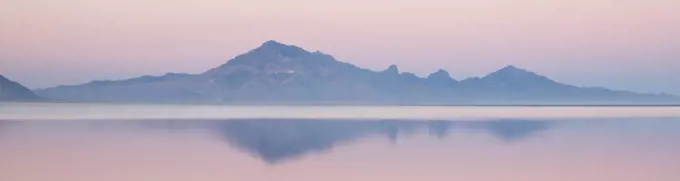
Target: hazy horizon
624,45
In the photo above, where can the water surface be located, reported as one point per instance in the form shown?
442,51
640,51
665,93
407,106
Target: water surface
593,149
80,111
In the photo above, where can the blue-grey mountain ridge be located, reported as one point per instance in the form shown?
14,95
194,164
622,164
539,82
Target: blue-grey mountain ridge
275,73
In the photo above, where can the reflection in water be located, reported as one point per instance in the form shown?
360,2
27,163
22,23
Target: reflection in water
278,140
513,130
439,129
298,150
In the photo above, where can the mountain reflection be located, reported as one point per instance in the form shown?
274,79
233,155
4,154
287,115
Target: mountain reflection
513,130
276,141
279,140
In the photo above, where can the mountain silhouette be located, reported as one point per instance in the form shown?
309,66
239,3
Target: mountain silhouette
13,91
276,73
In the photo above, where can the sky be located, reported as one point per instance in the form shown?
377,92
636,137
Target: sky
619,44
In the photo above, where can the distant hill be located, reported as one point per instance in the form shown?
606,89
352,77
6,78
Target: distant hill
13,91
276,73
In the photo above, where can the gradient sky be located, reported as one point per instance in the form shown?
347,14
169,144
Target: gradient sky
620,44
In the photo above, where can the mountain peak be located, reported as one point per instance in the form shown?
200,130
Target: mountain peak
284,50
393,69
441,74
517,75
510,70
272,43
269,52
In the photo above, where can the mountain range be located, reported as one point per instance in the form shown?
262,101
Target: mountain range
275,73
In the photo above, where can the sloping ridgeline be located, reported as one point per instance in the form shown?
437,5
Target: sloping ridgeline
276,73
13,91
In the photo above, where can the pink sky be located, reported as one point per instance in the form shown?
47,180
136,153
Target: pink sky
621,44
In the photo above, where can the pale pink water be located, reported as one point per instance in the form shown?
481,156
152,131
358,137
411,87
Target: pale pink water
611,151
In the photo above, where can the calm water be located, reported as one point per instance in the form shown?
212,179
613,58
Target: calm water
294,149
56,111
